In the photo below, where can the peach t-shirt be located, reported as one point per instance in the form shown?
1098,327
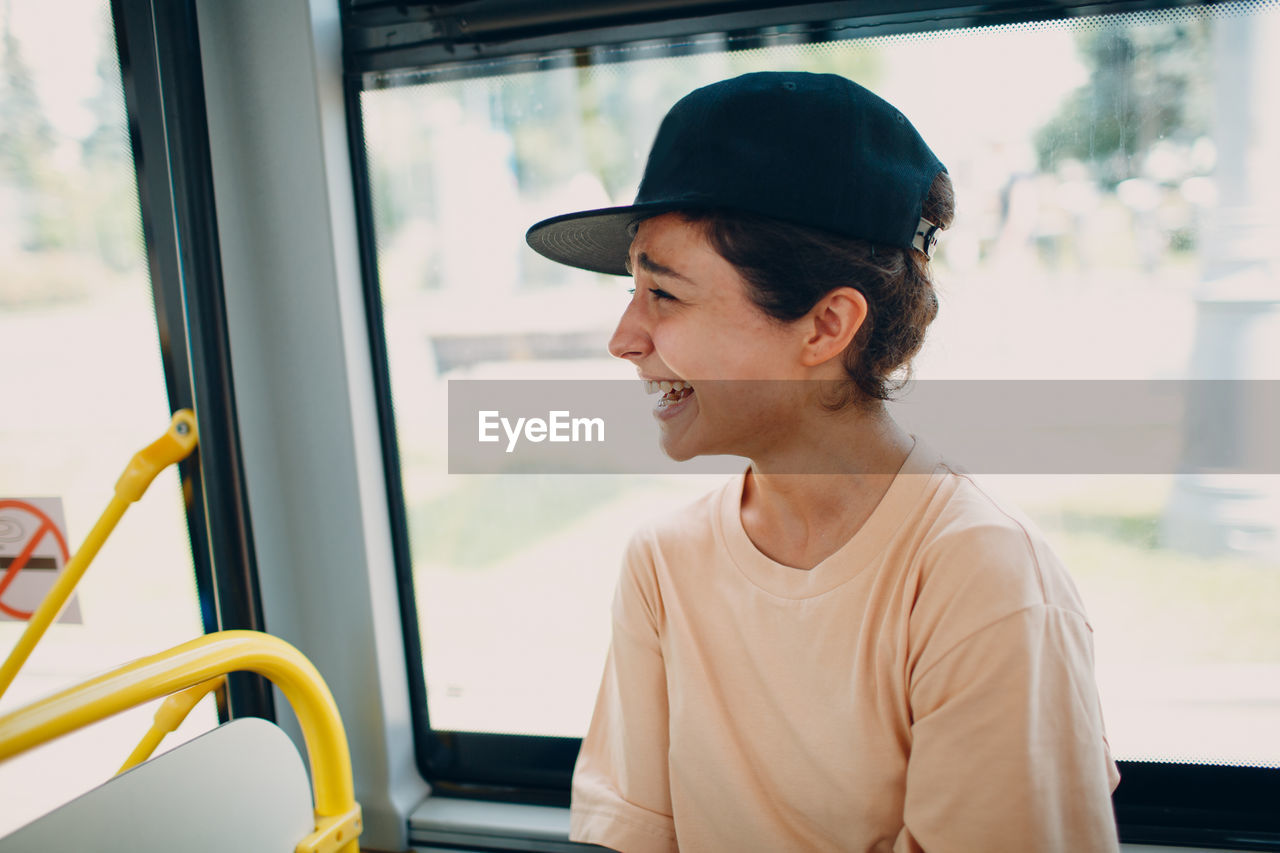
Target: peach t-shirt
927,687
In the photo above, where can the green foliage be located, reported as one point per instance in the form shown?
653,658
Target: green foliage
69,206
25,134
492,517
1136,529
108,143
1145,85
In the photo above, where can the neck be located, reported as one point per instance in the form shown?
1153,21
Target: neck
799,519
853,442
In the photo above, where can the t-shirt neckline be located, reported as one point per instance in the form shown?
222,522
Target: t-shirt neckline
911,481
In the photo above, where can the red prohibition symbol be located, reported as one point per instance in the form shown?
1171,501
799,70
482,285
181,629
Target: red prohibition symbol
46,527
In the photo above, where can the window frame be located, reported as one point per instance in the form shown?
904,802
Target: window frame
159,52
1194,805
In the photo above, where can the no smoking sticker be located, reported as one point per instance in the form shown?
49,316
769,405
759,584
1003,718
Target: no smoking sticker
33,554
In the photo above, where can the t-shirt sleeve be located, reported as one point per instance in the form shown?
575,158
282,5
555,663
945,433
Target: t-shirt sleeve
1008,749
621,791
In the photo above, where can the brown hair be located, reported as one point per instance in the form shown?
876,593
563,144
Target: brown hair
788,268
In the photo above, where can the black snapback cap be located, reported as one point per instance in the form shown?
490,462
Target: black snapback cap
815,150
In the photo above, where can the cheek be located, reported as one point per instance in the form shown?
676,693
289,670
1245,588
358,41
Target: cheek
687,348
743,346
764,352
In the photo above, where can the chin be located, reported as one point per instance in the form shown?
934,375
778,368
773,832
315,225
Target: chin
682,451
677,453
678,446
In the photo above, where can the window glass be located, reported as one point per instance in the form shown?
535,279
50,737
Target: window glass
1114,221
82,387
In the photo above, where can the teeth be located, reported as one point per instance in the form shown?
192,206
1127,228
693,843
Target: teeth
665,386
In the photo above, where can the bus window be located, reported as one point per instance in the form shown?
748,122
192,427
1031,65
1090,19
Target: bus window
1114,205
83,384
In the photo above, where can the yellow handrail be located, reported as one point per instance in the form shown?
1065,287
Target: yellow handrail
338,821
174,446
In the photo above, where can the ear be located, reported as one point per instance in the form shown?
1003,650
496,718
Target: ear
832,323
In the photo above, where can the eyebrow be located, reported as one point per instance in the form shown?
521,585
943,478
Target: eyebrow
651,266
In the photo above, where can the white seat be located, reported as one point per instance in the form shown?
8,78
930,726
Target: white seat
241,786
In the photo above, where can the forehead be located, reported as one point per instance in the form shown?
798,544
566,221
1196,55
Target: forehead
668,238
676,254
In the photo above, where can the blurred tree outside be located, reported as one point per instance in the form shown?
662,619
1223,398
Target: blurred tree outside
25,140
109,166
62,233
1137,132
1146,85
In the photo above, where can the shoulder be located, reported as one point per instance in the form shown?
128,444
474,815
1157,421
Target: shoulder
662,547
982,560
693,527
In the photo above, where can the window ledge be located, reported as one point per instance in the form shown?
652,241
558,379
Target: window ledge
444,823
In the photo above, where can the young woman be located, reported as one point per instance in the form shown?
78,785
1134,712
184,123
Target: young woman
850,646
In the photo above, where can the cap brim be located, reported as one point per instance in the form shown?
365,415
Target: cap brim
595,240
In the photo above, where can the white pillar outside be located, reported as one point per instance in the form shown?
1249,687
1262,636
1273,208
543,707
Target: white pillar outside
1238,302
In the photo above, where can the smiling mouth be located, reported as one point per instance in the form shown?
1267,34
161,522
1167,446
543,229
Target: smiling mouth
672,392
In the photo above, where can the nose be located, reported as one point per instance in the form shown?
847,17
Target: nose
631,339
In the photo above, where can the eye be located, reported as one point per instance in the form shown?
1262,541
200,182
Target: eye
658,293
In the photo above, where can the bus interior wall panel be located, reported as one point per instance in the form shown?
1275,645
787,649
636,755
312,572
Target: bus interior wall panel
306,400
